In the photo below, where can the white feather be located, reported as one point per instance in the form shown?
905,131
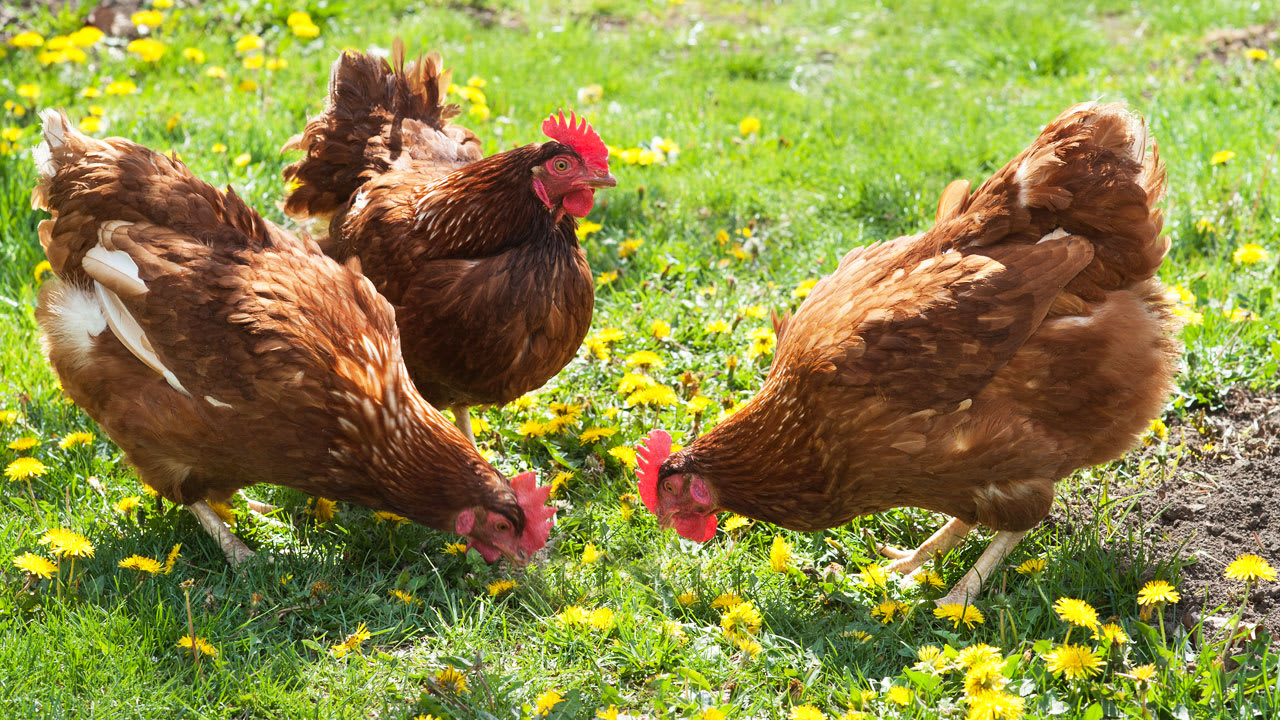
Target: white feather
130,334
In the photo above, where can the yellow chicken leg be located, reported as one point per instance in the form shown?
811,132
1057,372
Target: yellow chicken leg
462,418
236,551
908,561
965,591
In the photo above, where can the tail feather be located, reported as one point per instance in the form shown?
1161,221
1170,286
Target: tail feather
379,116
1094,172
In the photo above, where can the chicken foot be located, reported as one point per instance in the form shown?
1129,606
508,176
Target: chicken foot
970,585
462,418
907,562
235,550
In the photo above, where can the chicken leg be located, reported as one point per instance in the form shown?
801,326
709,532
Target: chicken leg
970,585
908,561
462,418
236,551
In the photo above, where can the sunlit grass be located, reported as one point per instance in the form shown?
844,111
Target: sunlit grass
754,144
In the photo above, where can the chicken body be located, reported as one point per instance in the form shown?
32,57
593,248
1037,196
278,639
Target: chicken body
219,351
964,370
478,255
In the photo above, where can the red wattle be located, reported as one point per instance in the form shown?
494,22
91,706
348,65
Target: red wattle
699,528
649,457
487,551
579,202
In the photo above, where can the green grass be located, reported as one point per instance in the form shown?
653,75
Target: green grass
867,111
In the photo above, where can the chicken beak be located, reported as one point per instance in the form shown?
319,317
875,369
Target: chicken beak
603,181
521,558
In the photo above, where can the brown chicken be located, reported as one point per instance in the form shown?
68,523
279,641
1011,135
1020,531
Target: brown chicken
963,370
220,351
479,255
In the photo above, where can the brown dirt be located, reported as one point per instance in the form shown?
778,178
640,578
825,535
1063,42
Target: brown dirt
1225,44
1222,500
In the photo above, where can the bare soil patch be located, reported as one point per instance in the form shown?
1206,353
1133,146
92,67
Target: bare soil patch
1222,501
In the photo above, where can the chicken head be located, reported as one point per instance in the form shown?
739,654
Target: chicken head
682,501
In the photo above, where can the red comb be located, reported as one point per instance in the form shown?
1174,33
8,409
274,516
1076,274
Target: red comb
538,516
649,458
580,136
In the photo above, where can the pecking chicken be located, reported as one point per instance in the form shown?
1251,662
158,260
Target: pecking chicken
963,370
479,255
219,351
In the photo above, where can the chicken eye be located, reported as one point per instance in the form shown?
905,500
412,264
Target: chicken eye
669,486
561,165
502,526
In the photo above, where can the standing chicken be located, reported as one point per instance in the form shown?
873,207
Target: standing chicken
964,370
220,351
478,255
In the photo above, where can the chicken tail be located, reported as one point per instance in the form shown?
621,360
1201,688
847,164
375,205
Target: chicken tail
379,116
1095,172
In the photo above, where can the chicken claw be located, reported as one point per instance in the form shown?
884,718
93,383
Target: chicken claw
965,591
236,551
908,561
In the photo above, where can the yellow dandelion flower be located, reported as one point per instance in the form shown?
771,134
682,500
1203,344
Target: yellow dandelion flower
687,598
1256,54
90,92
560,482
592,434
984,677
606,278
535,428
1157,592
1249,254
126,505
899,695
602,619
1076,612
141,564
930,578
29,91
1034,566
624,454
216,72
91,124
352,643
1143,673
874,576
806,712
586,227
150,18
306,30
1222,156
247,86
195,55
27,39
957,613
779,554
543,704
171,559
13,135
33,564
746,644
591,554
888,611
978,654
67,543
405,597
741,617
147,49
749,125
24,443
929,654
644,358
242,159
248,43
453,679
252,62
660,329
1250,568
87,36
298,17
497,587
803,289
25,468
1112,633
994,706
1077,662
609,713
121,87
323,509
717,326
75,438
456,548
659,395
390,517
629,247
7,417
762,343
727,600
197,645
735,522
